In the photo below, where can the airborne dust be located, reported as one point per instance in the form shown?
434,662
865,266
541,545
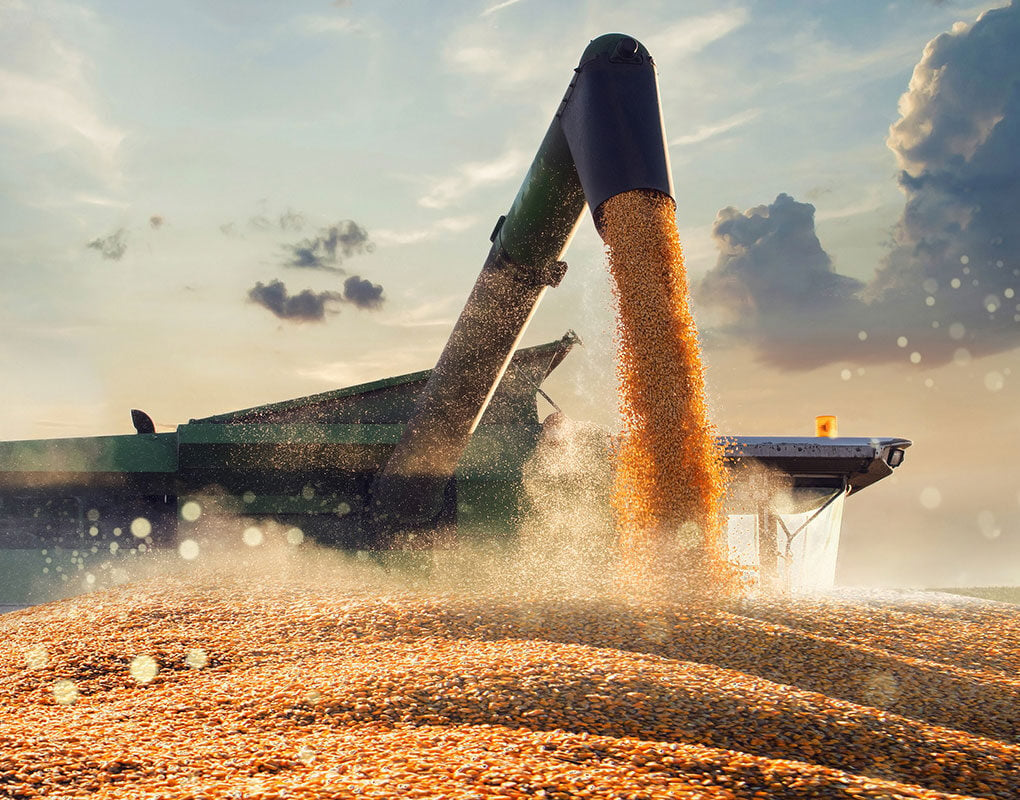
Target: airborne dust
251,664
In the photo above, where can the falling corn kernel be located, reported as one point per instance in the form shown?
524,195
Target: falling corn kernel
670,477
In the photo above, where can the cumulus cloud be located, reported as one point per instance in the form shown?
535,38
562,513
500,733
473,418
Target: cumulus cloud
949,283
305,306
363,293
330,247
311,306
775,285
958,143
112,246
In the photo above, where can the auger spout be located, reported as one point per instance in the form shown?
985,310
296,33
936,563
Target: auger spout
606,138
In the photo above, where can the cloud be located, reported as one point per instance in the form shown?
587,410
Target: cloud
947,289
499,7
428,233
705,132
327,250
474,174
504,61
319,25
290,220
47,94
112,247
305,306
958,144
774,283
363,293
693,34
310,306
156,221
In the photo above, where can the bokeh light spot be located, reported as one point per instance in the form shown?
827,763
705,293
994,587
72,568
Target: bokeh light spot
188,549
143,668
295,536
931,498
196,658
989,526
994,381
36,657
252,536
65,692
140,527
191,511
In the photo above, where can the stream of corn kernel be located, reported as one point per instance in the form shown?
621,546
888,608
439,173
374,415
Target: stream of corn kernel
670,477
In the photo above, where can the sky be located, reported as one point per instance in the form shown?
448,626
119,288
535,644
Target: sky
211,205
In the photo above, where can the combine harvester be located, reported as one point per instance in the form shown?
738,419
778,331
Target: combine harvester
434,457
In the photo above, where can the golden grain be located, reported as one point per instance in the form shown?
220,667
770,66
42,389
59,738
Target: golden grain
670,477
314,692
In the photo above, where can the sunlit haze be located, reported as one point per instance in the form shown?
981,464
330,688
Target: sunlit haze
209,206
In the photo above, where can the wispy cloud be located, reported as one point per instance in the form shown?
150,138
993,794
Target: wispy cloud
480,51
438,229
438,313
871,201
695,33
473,175
319,25
56,110
705,132
499,7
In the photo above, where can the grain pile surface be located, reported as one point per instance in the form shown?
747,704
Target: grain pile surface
245,686
670,478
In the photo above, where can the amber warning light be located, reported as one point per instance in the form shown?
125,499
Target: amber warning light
825,425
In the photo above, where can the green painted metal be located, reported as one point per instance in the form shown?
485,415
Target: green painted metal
549,205
152,453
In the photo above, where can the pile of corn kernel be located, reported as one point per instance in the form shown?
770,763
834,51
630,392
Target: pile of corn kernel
244,686
670,477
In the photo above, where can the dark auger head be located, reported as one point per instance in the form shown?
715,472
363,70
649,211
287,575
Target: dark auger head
627,49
